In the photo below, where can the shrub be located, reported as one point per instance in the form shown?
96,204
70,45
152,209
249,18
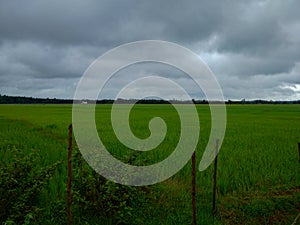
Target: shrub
21,182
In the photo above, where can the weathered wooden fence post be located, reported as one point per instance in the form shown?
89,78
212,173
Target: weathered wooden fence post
299,152
215,178
69,199
194,187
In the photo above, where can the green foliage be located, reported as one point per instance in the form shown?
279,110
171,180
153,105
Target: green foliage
274,206
95,196
258,154
21,184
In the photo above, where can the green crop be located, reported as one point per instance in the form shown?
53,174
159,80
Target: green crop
258,169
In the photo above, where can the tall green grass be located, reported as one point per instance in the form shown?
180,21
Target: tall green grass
258,156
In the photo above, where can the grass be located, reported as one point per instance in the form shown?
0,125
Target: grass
258,170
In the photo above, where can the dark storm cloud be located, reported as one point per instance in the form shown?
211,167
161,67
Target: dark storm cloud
53,42
261,32
56,22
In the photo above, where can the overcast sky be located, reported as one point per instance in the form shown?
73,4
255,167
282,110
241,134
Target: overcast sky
253,47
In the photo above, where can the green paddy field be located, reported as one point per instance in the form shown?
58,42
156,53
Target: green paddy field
258,170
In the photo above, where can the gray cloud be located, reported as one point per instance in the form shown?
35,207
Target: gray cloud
253,47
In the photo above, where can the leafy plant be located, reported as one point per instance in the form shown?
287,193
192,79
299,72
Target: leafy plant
94,195
20,185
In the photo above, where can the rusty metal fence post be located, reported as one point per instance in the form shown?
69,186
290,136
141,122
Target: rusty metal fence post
299,152
69,199
215,178
194,187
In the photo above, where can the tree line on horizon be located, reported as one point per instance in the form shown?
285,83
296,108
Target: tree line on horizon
5,99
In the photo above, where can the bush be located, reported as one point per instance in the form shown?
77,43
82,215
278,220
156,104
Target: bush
93,195
20,185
